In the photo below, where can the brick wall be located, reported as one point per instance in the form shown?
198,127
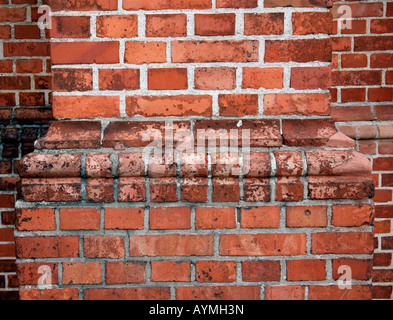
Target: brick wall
362,106
109,221
25,98
167,230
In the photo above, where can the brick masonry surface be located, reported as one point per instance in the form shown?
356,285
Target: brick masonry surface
111,223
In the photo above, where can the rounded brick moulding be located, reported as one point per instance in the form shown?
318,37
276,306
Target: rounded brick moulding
193,157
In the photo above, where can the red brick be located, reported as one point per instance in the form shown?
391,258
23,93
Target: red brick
7,250
297,103
119,79
387,243
67,134
167,79
6,201
23,49
374,9
226,190
352,216
382,259
99,190
311,216
177,271
128,294
303,270
357,292
237,3
6,66
304,50
117,26
285,293
215,78
171,245
39,165
124,218
312,23
215,218
49,294
30,273
383,196
51,189
352,113
256,189
214,51
43,82
194,189
298,3
35,219
215,271
381,26
82,273
125,272
131,164
137,52
47,247
5,32
85,52
27,32
353,94
31,98
383,164
14,82
367,147
7,234
356,78
131,189
163,5
289,189
84,5
261,271
236,105
360,269
381,60
380,94
268,78
75,79
111,247
341,43
382,226
12,14
289,163
375,43
387,180
354,60
348,242
79,219
264,23
7,100
154,106
215,24
86,106
218,293
260,217
70,27
98,165
382,292
356,27
262,244
166,25
311,78
170,218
